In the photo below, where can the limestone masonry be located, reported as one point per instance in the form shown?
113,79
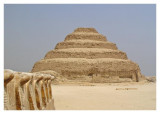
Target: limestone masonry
87,56
27,91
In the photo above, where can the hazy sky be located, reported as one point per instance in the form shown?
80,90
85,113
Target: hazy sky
33,30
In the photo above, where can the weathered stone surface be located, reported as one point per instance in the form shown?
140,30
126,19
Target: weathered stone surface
27,91
89,53
86,55
85,44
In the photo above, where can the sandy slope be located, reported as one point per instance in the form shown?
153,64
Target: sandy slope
105,97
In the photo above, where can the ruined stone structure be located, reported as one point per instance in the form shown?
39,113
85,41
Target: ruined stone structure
86,55
27,91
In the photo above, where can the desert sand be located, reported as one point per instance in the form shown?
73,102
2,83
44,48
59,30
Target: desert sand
111,96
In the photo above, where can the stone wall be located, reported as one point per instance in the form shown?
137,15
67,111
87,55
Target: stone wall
27,91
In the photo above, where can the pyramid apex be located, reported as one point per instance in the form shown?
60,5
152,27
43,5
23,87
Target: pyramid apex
82,29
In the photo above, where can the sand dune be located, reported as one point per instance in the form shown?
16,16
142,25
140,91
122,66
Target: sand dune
141,96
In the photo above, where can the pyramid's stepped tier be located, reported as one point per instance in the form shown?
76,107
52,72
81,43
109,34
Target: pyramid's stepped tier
82,64
90,53
80,67
85,30
85,36
85,44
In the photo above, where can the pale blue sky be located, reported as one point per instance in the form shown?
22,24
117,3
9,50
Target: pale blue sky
33,30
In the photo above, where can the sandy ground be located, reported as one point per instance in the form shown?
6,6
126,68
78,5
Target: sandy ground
105,97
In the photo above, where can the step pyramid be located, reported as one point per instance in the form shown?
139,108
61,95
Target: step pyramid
86,55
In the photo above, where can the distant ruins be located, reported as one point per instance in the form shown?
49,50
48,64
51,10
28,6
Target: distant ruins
87,56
